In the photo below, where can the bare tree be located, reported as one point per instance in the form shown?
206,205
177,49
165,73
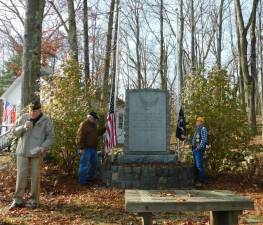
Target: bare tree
72,30
108,50
249,78
138,45
219,34
11,19
162,51
193,57
253,70
241,75
261,56
95,42
86,40
32,49
134,24
181,47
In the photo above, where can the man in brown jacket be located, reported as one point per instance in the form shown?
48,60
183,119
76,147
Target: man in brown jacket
87,142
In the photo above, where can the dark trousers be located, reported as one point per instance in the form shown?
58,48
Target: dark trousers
88,166
199,165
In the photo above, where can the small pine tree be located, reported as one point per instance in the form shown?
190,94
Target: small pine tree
215,99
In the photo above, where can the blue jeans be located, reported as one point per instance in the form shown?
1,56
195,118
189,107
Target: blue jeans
87,166
199,165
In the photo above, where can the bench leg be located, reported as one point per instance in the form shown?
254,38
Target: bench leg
224,217
146,218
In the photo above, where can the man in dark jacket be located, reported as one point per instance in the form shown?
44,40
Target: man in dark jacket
87,142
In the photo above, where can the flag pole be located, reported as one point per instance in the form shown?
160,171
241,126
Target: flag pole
111,136
115,56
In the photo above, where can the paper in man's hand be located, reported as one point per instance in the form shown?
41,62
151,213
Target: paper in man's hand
35,150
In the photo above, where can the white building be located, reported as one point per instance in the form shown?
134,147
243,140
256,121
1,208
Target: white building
13,96
13,93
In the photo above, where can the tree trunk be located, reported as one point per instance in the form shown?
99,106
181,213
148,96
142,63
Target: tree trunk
253,69
193,59
161,66
242,86
219,38
261,62
138,55
31,50
241,80
250,90
94,46
72,34
181,48
106,90
86,40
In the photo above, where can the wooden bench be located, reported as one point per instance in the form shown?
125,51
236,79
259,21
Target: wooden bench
224,206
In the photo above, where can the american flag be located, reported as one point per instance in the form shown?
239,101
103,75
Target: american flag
8,108
111,137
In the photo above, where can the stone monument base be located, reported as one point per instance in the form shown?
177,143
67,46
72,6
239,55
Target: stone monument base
142,175
164,158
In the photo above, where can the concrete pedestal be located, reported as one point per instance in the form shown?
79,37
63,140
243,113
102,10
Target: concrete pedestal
224,217
224,206
149,176
146,218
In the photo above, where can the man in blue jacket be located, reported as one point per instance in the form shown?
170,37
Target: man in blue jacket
199,143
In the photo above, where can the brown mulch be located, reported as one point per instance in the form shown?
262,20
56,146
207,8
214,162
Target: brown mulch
64,201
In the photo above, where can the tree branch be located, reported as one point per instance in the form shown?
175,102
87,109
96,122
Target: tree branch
240,19
59,15
13,10
252,15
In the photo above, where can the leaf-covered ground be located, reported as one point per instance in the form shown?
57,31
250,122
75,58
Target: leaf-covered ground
64,202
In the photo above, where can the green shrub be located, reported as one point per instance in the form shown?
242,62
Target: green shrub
67,103
215,99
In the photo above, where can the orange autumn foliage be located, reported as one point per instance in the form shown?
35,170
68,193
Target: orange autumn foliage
49,49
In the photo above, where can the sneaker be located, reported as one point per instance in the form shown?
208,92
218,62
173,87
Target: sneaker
15,205
32,205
